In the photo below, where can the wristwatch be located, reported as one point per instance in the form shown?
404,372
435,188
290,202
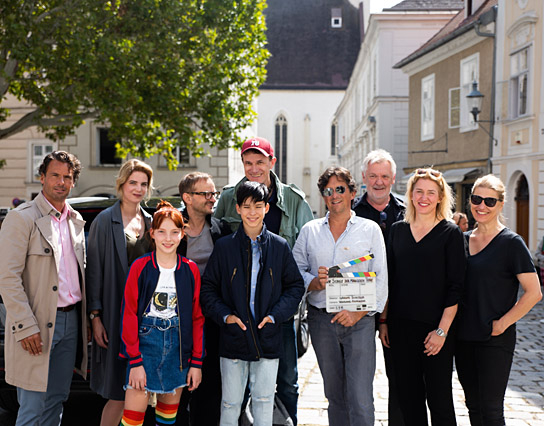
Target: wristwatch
441,332
94,315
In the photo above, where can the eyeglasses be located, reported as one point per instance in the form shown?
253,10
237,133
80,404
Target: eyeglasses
327,192
207,194
428,172
489,201
383,218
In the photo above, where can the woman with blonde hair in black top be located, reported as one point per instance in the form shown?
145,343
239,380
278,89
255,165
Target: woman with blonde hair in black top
426,262
498,263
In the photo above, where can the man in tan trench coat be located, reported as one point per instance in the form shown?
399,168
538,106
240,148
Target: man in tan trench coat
42,259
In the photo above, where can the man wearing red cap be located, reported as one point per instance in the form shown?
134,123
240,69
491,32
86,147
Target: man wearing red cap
287,214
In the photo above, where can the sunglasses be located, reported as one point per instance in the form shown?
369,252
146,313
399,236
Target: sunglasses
207,194
383,218
327,192
476,200
428,172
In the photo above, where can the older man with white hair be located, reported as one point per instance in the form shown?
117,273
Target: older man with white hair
378,204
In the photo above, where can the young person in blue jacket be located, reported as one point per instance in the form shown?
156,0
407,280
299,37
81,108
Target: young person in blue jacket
251,286
161,324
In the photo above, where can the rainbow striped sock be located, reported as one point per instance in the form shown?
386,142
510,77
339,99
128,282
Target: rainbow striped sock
165,414
132,418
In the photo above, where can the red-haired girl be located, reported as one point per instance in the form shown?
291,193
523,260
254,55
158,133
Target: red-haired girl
161,324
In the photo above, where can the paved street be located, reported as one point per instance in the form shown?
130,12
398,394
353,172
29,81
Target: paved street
524,399
524,403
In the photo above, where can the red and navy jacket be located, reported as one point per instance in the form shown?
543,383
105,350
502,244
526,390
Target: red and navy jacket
142,281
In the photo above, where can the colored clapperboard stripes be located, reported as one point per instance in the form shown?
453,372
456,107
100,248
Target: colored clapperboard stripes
334,270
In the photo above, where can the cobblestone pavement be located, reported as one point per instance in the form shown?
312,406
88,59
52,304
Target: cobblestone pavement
524,403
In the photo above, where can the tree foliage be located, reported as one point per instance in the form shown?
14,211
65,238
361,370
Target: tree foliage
160,73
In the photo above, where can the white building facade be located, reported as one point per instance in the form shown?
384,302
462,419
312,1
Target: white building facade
518,154
313,46
374,111
303,120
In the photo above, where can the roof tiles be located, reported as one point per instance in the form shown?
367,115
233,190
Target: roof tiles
307,53
413,5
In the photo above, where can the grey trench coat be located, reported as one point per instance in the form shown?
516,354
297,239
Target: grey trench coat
107,270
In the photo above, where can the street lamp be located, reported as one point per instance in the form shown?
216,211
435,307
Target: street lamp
474,100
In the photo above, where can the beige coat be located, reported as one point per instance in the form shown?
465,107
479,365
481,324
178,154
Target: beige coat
29,262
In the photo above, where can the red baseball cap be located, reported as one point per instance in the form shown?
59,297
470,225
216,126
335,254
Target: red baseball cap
258,144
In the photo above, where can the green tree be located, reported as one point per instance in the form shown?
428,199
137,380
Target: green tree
160,73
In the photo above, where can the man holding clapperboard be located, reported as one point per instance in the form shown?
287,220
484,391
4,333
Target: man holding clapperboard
342,260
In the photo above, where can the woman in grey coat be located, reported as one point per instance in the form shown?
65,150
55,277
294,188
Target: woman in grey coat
117,237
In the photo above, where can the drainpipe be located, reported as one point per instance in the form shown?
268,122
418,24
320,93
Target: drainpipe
485,19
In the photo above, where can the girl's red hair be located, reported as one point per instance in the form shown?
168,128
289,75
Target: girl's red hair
165,210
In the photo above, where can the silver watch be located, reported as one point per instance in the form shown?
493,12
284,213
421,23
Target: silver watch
93,316
441,332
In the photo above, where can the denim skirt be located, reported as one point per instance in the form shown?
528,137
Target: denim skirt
159,346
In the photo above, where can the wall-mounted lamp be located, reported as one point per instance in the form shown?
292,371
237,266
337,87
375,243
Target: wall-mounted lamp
474,100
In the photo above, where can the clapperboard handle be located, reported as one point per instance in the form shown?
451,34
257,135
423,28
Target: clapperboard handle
334,271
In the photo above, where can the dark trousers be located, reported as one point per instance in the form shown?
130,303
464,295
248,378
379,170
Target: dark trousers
204,403
420,377
394,414
483,369
287,382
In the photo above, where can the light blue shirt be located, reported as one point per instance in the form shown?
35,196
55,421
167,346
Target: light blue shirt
316,247
256,253
255,267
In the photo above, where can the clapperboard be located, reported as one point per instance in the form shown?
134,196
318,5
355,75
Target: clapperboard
353,291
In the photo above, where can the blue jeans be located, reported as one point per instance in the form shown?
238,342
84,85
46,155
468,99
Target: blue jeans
159,346
347,360
262,383
45,408
287,371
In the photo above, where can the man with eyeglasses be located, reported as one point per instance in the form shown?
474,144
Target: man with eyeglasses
378,204
344,341
198,193
287,214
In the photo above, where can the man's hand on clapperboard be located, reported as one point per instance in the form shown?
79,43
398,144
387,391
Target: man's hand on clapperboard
319,282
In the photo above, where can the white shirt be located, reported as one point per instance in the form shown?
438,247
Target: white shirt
316,247
164,302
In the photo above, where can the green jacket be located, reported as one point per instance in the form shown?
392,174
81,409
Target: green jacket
291,201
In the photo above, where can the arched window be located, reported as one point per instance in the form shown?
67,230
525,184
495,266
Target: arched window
280,148
333,138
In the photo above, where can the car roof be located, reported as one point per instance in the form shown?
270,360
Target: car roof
90,207
105,202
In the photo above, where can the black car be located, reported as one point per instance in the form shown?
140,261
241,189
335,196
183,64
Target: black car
89,207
